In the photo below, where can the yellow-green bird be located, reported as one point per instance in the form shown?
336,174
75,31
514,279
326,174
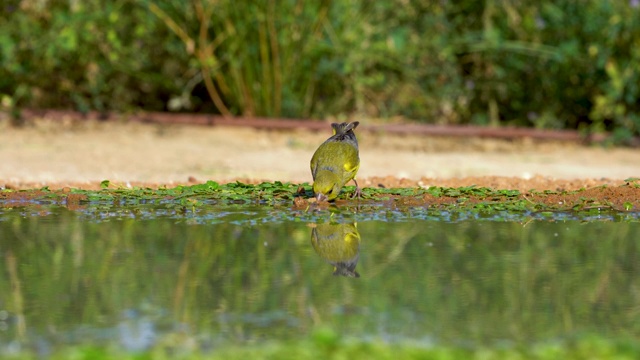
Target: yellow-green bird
339,245
336,162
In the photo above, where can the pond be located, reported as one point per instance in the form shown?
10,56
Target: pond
137,279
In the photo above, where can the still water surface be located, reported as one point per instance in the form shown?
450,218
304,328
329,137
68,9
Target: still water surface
138,282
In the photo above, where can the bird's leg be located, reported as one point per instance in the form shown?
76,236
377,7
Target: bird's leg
357,193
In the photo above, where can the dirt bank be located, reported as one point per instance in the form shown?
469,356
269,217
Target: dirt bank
81,154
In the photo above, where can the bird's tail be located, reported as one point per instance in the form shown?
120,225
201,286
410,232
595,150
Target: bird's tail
343,128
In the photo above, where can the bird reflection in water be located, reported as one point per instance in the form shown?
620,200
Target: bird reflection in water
339,245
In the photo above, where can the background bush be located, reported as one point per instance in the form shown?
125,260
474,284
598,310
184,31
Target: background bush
546,64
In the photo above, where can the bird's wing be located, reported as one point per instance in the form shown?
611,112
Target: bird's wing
314,165
351,167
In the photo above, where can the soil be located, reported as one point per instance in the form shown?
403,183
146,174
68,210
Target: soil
80,154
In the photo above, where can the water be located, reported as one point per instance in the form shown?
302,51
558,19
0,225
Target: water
137,280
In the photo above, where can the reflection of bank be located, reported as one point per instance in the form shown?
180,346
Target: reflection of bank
338,244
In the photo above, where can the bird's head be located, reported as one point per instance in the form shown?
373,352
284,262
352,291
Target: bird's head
326,186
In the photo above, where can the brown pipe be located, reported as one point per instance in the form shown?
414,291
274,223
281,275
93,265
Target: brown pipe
290,124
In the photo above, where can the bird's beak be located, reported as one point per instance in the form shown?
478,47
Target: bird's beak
320,197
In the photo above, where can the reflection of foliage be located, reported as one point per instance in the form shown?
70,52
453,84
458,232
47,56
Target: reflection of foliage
547,64
238,283
338,244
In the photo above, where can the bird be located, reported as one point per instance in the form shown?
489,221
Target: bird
336,162
339,245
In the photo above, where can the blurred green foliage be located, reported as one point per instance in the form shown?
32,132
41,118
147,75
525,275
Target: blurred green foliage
545,64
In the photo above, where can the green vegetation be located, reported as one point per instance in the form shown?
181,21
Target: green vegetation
326,345
297,204
543,64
